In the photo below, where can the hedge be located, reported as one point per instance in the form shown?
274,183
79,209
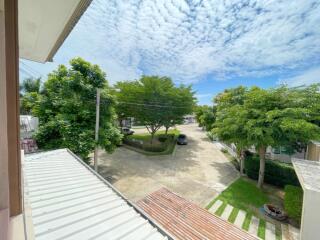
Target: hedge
161,146
276,173
293,202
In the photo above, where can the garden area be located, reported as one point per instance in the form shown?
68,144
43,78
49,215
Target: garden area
162,143
242,202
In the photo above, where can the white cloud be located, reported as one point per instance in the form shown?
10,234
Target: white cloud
190,39
306,78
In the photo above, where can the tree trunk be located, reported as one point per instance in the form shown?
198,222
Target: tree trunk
242,162
152,136
167,128
262,155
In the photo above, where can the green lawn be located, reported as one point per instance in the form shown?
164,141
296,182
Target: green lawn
243,194
147,136
162,144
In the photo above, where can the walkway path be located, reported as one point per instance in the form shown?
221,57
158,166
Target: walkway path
286,232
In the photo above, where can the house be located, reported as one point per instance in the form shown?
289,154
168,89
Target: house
54,194
28,125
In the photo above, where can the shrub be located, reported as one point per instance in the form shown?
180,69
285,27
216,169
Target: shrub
293,202
276,173
160,144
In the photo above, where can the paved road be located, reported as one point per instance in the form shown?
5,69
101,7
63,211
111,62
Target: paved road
196,172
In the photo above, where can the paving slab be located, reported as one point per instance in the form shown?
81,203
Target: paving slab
240,218
294,232
227,211
254,225
215,206
270,231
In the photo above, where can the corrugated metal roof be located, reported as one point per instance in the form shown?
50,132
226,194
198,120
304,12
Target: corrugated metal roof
185,220
68,200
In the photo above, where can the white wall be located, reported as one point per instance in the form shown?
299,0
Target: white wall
310,223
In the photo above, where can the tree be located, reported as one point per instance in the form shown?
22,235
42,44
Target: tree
182,100
154,101
264,117
272,118
66,110
205,116
229,124
29,94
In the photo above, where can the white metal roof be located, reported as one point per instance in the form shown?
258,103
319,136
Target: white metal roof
308,173
68,200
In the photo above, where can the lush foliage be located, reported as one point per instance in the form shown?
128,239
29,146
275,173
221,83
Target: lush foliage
267,117
276,173
29,94
154,101
293,202
205,116
66,110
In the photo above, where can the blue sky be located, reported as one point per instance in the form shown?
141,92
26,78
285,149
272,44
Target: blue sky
211,44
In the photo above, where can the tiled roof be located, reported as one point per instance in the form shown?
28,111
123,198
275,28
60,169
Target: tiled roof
70,201
185,220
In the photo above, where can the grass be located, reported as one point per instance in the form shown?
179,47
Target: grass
163,147
246,222
293,202
278,233
221,209
262,229
244,194
233,215
147,136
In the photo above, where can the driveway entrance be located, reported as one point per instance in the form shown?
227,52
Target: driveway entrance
197,171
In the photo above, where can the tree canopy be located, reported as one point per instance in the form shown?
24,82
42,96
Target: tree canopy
66,110
205,116
29,94
154,101
267,117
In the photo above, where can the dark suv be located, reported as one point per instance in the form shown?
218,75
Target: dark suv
182,139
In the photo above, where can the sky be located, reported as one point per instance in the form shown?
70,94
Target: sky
211,44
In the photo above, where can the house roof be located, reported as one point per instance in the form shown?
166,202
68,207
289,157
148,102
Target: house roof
185,220
68,200
308,173
45,24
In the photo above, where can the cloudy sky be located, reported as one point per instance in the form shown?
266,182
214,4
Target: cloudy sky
212,44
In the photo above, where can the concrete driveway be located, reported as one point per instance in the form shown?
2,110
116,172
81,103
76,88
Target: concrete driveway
197,171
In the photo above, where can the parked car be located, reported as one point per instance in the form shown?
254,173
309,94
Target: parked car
182,139
127,131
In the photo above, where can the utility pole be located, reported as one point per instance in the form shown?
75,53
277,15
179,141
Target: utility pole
96,137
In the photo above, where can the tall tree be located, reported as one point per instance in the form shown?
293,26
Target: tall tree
66,110
29,94
274,119
154,101
265,117
229,124
205,116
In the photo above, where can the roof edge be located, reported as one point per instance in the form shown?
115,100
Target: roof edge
133,205
80,9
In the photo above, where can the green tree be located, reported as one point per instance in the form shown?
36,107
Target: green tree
154,101
29,94
66,110
229,124
181,101
272,118
205,116
265,117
